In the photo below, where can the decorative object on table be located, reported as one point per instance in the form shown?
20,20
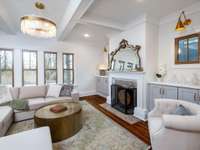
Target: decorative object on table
58,108
102,69
126,53
38,26
181,24
161,73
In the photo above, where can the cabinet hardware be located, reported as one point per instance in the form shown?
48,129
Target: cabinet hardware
160,91
195,97
163,92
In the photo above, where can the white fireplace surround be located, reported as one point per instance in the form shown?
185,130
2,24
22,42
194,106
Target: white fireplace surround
139,77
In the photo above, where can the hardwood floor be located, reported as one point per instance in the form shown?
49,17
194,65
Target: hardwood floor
139,129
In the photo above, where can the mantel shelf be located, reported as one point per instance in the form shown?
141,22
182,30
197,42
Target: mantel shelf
130,72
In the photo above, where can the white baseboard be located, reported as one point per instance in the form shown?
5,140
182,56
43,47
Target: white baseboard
140,113
87,93
100,94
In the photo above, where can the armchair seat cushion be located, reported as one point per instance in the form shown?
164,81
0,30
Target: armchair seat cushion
155,124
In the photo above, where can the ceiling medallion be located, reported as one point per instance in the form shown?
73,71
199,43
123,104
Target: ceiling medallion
38,26
181,25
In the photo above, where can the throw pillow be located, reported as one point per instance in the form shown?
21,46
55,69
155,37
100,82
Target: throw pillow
181,110
66,90
5,95
54,90
19,104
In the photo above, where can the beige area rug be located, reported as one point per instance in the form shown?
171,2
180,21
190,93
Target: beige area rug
128,118
98,133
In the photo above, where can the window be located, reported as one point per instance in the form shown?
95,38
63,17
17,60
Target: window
68,68
50,67
187,49
6,67
29,68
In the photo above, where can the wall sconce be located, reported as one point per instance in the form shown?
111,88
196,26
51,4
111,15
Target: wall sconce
180,26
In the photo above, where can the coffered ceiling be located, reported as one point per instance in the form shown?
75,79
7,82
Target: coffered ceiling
99,18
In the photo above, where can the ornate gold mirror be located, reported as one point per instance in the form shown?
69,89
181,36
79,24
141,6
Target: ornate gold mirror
126,58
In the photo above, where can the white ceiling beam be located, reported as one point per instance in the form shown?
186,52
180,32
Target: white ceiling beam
8,25
103,24
75,10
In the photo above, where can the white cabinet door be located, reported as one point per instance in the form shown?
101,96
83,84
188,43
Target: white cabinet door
154,92
187,94
169,92
102,85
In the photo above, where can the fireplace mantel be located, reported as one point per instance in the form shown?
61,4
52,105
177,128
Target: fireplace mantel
140,111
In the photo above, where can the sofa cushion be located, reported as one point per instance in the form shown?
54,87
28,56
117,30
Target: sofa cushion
6,119
155,124
54,90
52,100
32,92
66,90
14,91
5,111
36,103
5,95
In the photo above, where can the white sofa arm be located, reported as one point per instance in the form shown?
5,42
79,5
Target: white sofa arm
163,106
183,123
36,139
75,95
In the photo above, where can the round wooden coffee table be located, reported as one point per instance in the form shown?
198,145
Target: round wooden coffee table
62,125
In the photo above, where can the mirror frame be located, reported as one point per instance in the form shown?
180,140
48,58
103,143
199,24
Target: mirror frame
122,45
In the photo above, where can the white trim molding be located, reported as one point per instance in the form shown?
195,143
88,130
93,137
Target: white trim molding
141,109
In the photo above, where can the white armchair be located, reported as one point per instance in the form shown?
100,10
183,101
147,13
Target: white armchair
174,132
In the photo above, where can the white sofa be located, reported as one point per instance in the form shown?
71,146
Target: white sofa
36,97
174,132
6,119
36,139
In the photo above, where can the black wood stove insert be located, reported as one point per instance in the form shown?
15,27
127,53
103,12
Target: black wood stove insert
123,98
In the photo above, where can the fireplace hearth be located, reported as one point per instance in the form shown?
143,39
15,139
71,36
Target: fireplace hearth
123,98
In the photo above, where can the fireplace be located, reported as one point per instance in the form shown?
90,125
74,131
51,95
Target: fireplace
124,97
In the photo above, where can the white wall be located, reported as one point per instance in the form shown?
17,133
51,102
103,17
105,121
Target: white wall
145,34
87,58
167,34
135,36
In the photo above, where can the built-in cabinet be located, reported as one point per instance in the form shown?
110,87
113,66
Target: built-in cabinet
191,95
171,92
156,91
102,85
